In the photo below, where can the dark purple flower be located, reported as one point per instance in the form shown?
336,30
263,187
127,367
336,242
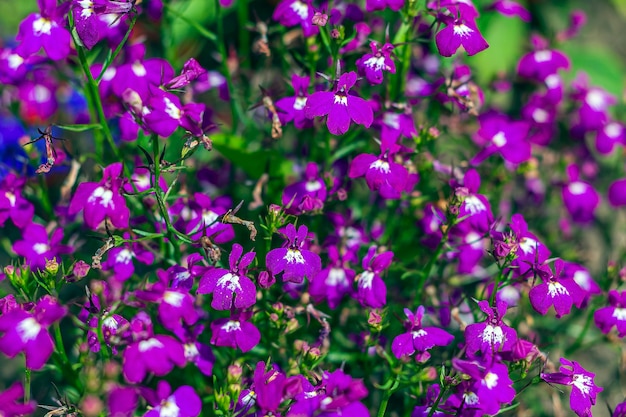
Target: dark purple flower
612,315
230,288
205,214
197,353
11,404
584,390
120,259
190,72
12,204
157,354
542,63
292,108
122,401
579,197
37,247
373,65
335,281
475,209
491,336
102,199
44,29
373,5
184,402
371,289
308,195
27,331
340,106
296,13
459,32
165,114
268,387
557,290
418,338
235,332
500,134
593,113
293,260
613,133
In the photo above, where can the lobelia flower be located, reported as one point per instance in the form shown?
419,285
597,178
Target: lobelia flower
11,404
381,173
371,289
583,278
500,134
197,353
373,5
557,290
38,97
292,107
88,14
120,259
100,200
37,247
620,410
184,402
148,352
612,315
459,32
584,390
612,134
417,338
335,281
530,250
579,197
205,214
191,71
340,106
394,125
308,195
475,209
230,288
491,336
490,386
122,401
44,29
12,204
510,8
296,13
165,113
293,260
27,331
373,65
593,112
268,387
235,332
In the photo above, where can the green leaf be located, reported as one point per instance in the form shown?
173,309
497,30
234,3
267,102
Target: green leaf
604,67
80,128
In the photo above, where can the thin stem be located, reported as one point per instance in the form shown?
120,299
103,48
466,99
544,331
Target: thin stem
234,105
117,51
433,409
244,35
27,386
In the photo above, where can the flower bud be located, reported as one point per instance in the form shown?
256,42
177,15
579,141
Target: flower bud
52,266
320,19
266,280
132,99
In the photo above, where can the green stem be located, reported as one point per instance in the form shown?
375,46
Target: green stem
382,409
244,35
69,374
103,346
234,104
117,51
429,266
27,386
433,409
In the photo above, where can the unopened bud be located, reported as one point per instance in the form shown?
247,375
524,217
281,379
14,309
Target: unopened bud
320,19
132,99
52,266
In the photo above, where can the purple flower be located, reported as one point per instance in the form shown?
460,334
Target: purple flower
459,32
530,250
88,14
595,102
11,404
580,198
184,402
475,209
371,289
37,247
373,65
149,352
510,8
44,29
613,133
542,63
554,290
292,107
340,106
122,401
27,331
395,124
617,193
612,315
230,288
205,215
584,390
500,134
190,72
381,173
308,195
491,385
491,336
294,260
335,281
120,259
417,338
268,387
294,13
12,204
102,199
373,5
235,332
165,114
197,353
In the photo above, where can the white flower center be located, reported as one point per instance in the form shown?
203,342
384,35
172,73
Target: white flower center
28,329
301,9
419,333
540,115
553,81
209,217
499,139
462,30
138,69
124,256
41,93
491,380
110,322
474,205
171,109
104,194
173,298
146,345
169,408
543,56
619,314
312,186
613,130
341,99
555,288
230,281
493,335
109,74
299,103
336,276
470,398
377,64
582,382
191,351
231,326
474,240
42,26
15,61
577,188
366,279
294,256
11,197
392,120
380,165
595,99
41,248
528,245
87,6
583,279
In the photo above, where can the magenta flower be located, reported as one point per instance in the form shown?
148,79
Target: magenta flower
293,260
294,13
191,71
230,288
102,199
417,338
501,135
165,114
88,17
371,289
530,250
335,281
491,336
373,5
340,106
584,390
27,331
184,402
612,134
373,65
308,195
475,209
122,401
235,332
197,353
120,259
292,108
579,197
612,315
205,214
459,32
541,63
510,8
11,404
157,354
12,204
37,247
268,387
44,29
555,290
